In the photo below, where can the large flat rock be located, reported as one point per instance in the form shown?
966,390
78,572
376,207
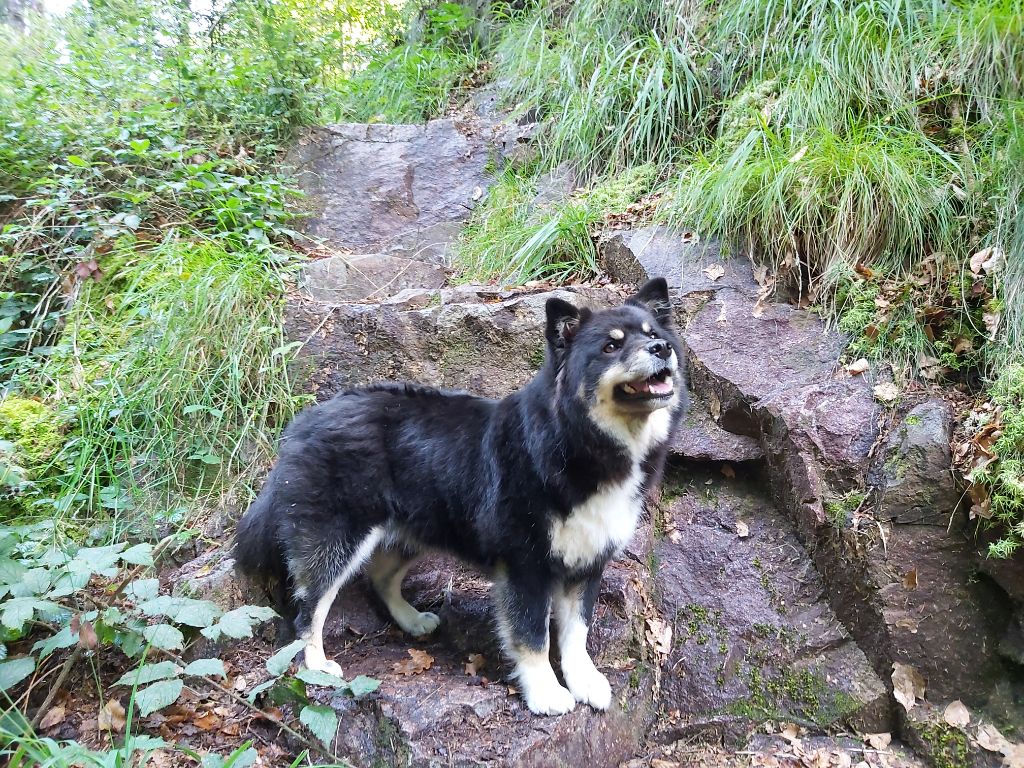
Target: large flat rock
372,188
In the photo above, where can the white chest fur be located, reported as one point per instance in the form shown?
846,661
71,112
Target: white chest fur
603,522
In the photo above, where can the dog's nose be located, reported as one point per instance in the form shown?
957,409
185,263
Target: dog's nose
659,348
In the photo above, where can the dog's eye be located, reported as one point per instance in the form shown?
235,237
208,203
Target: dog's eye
652,333
612,346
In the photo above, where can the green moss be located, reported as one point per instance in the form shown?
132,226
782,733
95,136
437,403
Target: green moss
791,693
1005,477
946,745
34,429
838,511
392,748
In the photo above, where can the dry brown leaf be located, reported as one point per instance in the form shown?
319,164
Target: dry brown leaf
886,392
1013,756
987,261
478,192
240,683
111,716
878,740
417,663
858,366
956,714
991,320
910,579
908,685
714,272
991,739
842,760
475,664
206,721
658,763
54,717
798,155
728,471
742,529
659,635
714,406
791,733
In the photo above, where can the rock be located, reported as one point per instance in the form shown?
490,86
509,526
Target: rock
770,372
344,278
753,634
914,481
701,439
944,745
462,341
211,576
375,187
555,185
444,716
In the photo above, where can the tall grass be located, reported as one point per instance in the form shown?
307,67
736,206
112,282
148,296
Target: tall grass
172,383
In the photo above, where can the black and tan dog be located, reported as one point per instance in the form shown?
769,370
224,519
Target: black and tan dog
539,490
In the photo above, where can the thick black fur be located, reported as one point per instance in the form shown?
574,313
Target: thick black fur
446,470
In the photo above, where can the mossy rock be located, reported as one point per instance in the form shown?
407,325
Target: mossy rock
31,434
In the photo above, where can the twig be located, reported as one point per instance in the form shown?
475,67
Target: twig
55,689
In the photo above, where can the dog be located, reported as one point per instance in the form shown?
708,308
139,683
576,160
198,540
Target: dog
539,490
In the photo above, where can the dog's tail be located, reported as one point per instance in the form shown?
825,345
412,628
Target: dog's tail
259,552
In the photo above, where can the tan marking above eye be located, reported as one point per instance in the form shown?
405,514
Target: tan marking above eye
647,327
617,334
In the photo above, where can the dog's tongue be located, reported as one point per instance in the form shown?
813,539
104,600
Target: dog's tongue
658,387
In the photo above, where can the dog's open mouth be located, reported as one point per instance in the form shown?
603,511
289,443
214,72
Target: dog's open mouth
657,386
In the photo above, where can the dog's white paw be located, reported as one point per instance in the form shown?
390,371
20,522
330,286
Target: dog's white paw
589,686
327,665
549,698
421,624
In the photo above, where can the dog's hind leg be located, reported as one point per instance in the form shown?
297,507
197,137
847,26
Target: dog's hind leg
386,570
573,609
523,610
317,583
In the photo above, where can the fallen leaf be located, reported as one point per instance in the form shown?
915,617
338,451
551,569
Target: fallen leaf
475,664
111,717
842,760
956,714
478,192
878,740
417,663
87,637
728,471
908,685
714,406
910,579
742,529
54,717
206,721
991,320
658,763
866,272
987,261
991,739
886,392
761,275
714,272
799,154
858,366
1013,756
659,635
791,733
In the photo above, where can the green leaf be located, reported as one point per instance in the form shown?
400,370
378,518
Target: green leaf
258,689
140,554
139,146
318,677
142,589
182,610
65,638
164,636
321,721
78,161
147,673
239,622
278,663
157,696
14,671
206,668
17,612
363,685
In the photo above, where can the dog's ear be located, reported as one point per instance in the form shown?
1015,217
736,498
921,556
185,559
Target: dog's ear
653,296
563,321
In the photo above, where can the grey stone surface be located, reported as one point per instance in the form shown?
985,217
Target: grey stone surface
347,278
375,187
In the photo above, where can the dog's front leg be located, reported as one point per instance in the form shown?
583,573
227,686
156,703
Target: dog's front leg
574,609
523,609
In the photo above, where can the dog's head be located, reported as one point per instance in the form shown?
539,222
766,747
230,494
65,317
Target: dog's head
625,363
